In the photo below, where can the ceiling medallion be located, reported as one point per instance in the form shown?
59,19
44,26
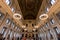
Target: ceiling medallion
43,16
17,16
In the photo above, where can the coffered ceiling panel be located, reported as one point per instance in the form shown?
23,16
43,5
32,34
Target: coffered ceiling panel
30,8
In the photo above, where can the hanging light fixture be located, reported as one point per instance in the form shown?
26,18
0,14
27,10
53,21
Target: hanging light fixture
17,16
23,26
25,29
43,16
34,29
36,26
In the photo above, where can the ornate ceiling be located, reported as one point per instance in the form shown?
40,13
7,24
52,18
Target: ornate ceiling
30,8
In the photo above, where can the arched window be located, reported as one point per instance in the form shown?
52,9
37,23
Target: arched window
52,2
3,30
1,16
58,15
12,9
13,24
51,35
52,21
57,30
11,34
47,24
7,2
8,21
47,9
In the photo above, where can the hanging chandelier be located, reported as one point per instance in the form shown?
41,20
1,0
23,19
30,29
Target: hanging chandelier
43,16
17,16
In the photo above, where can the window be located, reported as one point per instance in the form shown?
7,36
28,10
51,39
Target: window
7,1
1,16
47,24
12,9
52,2
58,15
57,30
5,34
12,24
11,34
51,35
52,21
3,30
8,21
47,9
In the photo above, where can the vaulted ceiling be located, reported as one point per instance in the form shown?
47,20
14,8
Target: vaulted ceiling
30,8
